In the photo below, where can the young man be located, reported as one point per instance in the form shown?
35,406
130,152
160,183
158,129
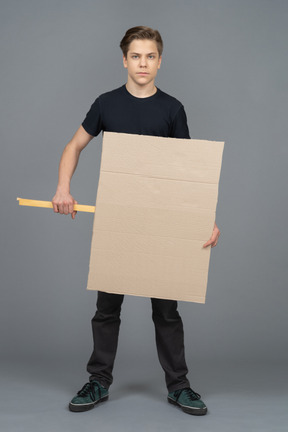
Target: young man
135,108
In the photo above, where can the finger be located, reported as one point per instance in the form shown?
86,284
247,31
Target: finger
208,243
66,209
213,241
70,207
55,208
74,212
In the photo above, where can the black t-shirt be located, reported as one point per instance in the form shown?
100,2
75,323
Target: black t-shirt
119,111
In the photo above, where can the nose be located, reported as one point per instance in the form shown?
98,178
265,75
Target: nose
143,62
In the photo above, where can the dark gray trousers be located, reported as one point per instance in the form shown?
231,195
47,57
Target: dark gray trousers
169,340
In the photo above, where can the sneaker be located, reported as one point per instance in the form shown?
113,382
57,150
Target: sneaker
91,394
189,401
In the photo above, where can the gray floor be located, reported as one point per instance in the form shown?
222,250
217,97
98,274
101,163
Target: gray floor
249,397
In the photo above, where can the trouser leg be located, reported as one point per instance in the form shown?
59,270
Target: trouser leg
105,328
170,343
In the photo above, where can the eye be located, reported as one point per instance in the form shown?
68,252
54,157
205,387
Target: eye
134,56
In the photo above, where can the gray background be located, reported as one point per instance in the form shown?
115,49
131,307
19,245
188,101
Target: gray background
227,62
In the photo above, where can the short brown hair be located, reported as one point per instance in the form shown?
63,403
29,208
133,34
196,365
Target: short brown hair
141,32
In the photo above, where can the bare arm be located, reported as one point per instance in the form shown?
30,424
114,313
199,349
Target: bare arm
63,201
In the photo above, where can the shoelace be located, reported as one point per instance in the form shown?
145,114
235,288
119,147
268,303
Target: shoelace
89,390
188,392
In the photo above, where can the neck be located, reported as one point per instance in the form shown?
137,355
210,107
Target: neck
141,91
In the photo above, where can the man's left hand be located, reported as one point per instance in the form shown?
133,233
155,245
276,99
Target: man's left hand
214,238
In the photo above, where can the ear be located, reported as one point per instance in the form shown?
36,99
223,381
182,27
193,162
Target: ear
125,61
159,62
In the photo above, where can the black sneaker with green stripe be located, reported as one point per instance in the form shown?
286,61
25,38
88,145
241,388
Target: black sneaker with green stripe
189,401
90,395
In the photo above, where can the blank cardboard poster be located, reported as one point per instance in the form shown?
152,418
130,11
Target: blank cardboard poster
155,208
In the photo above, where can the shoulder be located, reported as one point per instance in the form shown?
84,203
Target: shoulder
170,104
112,94
168,99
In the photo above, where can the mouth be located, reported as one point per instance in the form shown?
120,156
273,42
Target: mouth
142,73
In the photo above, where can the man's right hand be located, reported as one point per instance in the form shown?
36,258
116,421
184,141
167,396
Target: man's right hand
63,203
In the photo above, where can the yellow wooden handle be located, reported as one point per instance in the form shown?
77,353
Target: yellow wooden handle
48,204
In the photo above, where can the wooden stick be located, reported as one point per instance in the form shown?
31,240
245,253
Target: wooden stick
48,204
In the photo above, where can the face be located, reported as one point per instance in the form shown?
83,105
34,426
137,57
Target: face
142,62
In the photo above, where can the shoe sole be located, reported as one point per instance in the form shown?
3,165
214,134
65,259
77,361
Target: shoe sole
88,407
192,411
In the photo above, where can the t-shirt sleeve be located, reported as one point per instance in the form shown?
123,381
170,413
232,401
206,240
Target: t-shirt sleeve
179,127
93,120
